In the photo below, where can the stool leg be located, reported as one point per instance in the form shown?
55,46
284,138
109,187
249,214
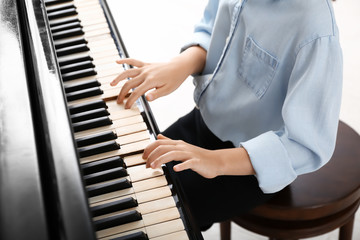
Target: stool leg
347,230
225,230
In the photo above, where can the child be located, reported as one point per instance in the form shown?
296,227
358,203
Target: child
268,77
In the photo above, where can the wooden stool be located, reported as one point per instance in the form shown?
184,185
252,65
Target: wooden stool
315,203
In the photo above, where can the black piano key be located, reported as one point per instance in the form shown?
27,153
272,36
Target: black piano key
66,26
67,20
133,236
80,86
103,164
83,107
77,66
74,60
70,43
95,138
90,92
68,33
93,123
62,13
105,175
118,219
53,2
59,7
98,148
107,187
114,206
96,113
78,74
72,49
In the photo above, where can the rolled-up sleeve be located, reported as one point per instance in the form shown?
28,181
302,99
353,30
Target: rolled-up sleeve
203,29
310,113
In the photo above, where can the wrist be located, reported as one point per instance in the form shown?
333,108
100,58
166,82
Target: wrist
191,61
235,161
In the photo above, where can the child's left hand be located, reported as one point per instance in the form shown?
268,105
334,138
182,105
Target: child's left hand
192,157
207,163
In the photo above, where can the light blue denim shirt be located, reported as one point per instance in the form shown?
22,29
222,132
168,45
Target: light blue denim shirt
272,82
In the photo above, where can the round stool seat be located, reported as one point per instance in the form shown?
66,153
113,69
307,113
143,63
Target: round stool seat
317,202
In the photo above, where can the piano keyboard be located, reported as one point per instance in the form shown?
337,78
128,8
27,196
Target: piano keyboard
127,201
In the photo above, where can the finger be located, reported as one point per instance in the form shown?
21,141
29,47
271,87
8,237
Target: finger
132,83
169,156
158,152
138,91
131,61
155,94
152,146
131,73
183,166
160,136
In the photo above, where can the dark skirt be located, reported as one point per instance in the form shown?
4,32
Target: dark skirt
220,198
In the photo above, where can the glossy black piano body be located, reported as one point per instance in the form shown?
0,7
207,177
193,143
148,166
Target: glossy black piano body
42,194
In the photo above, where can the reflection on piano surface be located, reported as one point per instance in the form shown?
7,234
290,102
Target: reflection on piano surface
88,177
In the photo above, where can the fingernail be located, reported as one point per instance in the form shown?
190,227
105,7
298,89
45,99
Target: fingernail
152,165
149,97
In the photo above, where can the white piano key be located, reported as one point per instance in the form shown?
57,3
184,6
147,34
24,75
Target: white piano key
151,189
134,160
148,220
180,235
118,123
125,150
143,208
108,94
164,228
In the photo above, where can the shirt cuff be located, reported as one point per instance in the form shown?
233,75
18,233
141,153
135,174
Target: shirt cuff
201,39
270,161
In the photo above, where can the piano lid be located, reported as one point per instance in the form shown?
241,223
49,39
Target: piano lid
67,211
22,212
41,191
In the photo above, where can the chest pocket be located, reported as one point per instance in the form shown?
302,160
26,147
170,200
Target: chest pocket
257,68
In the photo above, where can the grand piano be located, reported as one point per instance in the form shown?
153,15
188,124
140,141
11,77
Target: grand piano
70,157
